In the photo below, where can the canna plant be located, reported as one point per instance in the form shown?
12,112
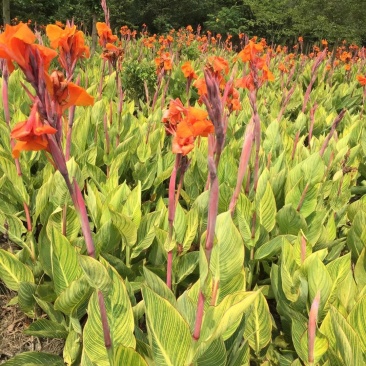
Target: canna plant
245,247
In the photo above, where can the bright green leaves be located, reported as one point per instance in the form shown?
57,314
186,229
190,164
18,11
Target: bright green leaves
228,252
258,324
170,335
13,271
120,320
64,262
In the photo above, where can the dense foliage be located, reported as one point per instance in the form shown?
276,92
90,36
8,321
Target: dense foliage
277,21
200,206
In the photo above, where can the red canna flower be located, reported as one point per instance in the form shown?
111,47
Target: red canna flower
31,133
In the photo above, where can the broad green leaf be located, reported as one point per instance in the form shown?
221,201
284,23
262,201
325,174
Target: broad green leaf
13,227
35,358
360,270
347,341
290,221
320,346
184,265
48,308
357,320
191,231
290,284
72,349
146,232
120,320
218,319
65,267
125,226
132,206
95,273
338,270
26,299
180,223
13,271
156,284
356,238
74,299
46,329
54,223
319,280
127,356
170,335
215,354
19,191
94,204
227,255
258,324
273,247
267,209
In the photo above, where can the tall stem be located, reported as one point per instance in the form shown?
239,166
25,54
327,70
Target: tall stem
171,216
211,224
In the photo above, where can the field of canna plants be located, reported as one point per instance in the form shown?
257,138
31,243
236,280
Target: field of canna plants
183,199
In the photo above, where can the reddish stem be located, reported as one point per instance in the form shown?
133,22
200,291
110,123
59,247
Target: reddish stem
243,164
171,215
335,123
199,316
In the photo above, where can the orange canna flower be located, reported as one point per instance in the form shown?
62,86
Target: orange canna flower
70,44
201,86
219,64
300,39
174,114
113,54
188,71
250,51
17,45
105,34
361,79
189,129
31,133
66,93
59,24
185,124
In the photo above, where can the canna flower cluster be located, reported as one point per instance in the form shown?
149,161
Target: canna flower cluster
54,94
31,134
218,68
105,34
70,44
260,73
185,124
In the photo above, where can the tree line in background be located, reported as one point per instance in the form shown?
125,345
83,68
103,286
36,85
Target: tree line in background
278,21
